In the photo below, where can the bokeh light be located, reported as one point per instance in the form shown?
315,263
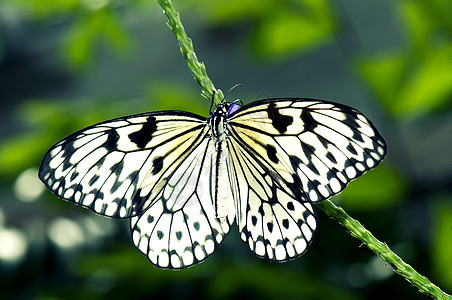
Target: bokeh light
28,187
65,233
13,245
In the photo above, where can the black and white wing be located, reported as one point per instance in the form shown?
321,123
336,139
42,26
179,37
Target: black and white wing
286,154
275,225
126,167
181,229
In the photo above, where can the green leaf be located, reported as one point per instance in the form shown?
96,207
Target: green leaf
427,23
429,87
409,88
419,24
78,48
384,74
91,30
416,80
296,27
289,33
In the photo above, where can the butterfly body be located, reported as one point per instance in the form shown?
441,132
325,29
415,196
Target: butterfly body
184,179
219,178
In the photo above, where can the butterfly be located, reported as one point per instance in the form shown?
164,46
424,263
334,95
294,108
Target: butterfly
183,179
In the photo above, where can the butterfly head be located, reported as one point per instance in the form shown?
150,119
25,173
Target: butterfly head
219,116
225,109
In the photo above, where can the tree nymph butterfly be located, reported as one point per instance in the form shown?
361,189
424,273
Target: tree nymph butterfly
183,179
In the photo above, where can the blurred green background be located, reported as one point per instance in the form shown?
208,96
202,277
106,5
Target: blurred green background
66,64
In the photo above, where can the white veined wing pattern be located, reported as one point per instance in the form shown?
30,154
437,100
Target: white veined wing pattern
183,178
287,154
137,166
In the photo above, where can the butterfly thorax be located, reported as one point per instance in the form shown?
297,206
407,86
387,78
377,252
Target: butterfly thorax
217,121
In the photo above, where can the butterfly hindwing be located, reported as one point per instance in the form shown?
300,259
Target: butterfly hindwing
180,228
117,167
274,224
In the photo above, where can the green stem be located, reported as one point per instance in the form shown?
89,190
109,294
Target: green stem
383,251
356,229
186,47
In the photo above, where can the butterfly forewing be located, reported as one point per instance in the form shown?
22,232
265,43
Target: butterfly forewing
316,147
117,167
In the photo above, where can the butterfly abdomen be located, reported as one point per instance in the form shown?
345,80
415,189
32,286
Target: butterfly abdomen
219,176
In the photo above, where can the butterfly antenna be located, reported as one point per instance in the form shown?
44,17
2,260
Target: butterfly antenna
232,88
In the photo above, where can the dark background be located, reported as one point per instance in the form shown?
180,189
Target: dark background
66,64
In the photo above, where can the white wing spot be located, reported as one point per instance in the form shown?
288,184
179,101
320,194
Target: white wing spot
111,209
163,259
188,258
351,172
313,196
322,189
210,246
68,193
311,222
290,249
175,262
370,162
88,200
341,177
335,185
259,248
77,196
199,253
300,245
280,252
375,156
122,212
360,167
